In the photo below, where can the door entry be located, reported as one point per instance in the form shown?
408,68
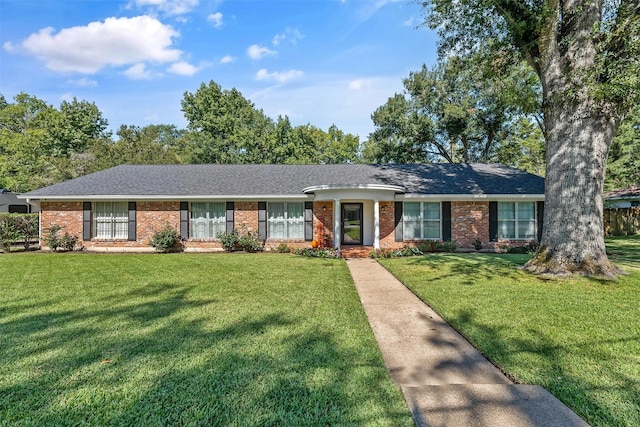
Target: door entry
352,223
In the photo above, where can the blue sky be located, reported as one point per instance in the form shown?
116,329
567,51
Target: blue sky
318,61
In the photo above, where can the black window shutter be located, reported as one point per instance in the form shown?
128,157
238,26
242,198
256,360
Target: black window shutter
184,220
398,222
493,221
262,220
446,221
132,221
540,213
86,221
230,209
308,221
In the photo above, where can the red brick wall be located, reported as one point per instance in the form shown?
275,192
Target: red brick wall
154,216
387,226
67,215
323,222
245,216
470,221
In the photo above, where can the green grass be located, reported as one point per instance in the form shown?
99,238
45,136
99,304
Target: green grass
578,338
233,340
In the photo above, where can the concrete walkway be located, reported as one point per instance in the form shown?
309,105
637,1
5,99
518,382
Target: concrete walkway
444,379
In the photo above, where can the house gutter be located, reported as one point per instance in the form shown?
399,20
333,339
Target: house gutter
469,197
170,197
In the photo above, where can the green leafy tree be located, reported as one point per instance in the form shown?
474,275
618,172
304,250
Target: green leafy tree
225,127
623,168
458,111
23,142
77,124
585,53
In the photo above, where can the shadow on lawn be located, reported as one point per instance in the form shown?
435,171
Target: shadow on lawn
145,358
472,268
553,358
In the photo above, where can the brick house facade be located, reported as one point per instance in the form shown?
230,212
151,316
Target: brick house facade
387,206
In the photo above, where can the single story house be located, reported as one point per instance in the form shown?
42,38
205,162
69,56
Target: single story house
625,198
344,205
9,203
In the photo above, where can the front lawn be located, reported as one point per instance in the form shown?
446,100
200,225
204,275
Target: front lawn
578,338
224,339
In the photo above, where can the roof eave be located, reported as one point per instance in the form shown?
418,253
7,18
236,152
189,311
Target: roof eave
470,197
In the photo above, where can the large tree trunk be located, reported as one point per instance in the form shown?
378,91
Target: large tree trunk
579,130
573,236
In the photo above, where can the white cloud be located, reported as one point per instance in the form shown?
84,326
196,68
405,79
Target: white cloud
138,72
369,8
183,68
170,7
293,35
411,22
114,42
9,47
256,51
278,76
228,59
277,39
360,84
216,19
84,82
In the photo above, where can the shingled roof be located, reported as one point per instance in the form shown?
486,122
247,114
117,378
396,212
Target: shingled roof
131,181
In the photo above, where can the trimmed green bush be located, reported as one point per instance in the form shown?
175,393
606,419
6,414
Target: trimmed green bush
166,239
16,227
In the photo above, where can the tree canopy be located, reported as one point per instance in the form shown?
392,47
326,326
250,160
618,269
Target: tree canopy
461,110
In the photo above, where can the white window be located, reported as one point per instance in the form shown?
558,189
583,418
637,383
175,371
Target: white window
111,220
421,221
517,220
207,220
285,220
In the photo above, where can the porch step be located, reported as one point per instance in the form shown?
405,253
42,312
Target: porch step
356,251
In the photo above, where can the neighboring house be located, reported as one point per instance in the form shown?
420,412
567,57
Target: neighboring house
625,198
622,212
381,206
10,203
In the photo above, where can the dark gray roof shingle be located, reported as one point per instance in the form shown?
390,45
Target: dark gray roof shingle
290,180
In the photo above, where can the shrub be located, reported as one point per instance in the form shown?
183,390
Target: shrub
8,234
17,228
234,240
229,240
283,248
319,252
394,253
27,227
529,248
165,239
249,242
66,242
434,246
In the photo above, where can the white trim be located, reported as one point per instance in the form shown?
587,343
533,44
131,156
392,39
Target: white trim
314,188
470,197
163,197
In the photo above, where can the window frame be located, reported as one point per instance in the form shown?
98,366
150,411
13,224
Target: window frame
421,220
286,221
219,222
118,226
516,221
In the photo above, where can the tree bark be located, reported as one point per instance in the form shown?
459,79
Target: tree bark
578,130
573,234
